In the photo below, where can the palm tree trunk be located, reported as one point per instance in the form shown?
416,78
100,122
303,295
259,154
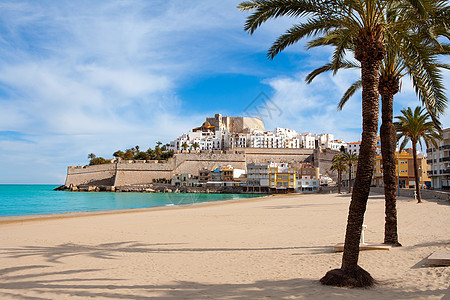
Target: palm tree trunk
339,181
366,162
369,51
388,87
349,178
416,172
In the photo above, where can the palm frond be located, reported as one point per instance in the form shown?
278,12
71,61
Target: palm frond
349,93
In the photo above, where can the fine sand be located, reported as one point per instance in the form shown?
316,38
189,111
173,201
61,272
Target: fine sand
274,247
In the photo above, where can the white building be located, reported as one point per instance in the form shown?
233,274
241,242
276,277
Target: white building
236,132
439,160
258,174
335,144
354,147
308,185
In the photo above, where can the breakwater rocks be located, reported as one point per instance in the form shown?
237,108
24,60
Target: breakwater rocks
153,188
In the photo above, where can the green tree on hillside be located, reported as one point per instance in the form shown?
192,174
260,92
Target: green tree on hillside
118,154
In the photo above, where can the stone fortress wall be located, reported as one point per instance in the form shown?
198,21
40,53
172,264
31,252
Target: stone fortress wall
93,175
140,172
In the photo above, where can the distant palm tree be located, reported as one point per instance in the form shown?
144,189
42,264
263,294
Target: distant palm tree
416,126
350,159
118,153
196,145
185,146
339,164
91,156
360,26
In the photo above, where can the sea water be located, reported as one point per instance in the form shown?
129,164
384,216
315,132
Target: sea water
20,200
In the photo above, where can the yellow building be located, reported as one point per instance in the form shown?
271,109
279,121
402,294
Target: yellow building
282,176
227,173
405,172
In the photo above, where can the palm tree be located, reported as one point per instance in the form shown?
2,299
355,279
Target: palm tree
350,159
416,126
118,153
196,145
91,156
185,146
359,25
338,164
407,54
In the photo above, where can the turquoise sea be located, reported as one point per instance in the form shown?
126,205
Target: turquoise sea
20,200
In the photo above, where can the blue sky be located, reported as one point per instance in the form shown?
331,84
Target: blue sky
97,76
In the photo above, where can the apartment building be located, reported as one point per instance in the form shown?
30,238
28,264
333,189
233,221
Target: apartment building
439,161
282,177
404,169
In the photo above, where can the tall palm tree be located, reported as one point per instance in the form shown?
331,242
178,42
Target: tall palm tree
412,54
359,23
415,127
350,159
338,164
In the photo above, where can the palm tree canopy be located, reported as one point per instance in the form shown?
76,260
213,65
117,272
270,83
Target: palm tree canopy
350,158
338,163
412,52
416,126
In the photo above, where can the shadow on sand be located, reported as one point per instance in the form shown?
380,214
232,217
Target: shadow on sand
54,254
33,283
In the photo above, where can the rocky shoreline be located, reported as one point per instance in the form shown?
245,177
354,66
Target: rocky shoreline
153,188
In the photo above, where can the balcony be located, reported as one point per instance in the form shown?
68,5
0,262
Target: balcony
446,171
445,159
429,161
445,147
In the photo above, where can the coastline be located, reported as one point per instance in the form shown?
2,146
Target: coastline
30,218
272,247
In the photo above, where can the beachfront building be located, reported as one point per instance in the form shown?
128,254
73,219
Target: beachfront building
282,176
204,175
439,161
184,179
222,176
307,185
221,133
404,166
258,177
308,178
308,171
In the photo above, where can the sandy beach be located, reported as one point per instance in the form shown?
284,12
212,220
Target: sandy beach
274,247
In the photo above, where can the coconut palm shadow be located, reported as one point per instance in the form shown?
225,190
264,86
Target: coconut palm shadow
54,254
34,283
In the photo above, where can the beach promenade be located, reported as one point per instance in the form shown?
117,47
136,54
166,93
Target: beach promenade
275,247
